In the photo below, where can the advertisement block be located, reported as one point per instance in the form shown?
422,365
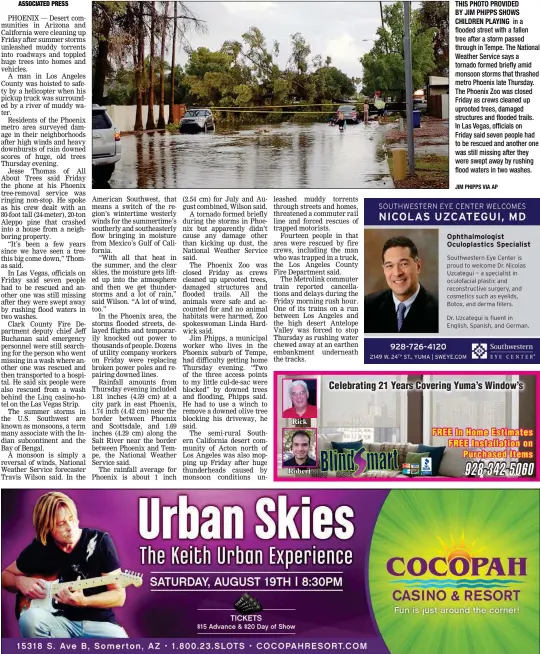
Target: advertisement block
459,270
400,571
440,426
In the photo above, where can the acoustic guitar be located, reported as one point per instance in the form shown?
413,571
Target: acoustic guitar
53,586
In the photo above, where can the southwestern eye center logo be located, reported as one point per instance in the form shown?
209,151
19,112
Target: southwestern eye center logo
479,351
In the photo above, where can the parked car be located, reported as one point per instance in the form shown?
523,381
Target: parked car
197,120
349,112
106,145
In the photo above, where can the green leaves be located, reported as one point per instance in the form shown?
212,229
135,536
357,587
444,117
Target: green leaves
384,66
244,72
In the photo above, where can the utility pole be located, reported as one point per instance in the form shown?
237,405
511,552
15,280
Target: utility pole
384,28
408,85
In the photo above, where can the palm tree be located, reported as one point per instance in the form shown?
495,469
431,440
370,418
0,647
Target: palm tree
119,30
139,70
150,122
101,23
185,21
110,26
173,63
161,119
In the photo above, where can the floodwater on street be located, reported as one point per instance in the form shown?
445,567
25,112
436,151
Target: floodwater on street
273,156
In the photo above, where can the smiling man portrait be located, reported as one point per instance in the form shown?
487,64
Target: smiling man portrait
407,307
300,446
301,408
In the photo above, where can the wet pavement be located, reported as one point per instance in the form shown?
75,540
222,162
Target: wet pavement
279,156
430,139
436,145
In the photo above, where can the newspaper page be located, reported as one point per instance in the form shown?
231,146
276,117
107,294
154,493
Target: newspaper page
269,338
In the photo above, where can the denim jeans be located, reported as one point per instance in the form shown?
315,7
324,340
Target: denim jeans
38,623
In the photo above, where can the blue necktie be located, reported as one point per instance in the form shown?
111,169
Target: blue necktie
400,315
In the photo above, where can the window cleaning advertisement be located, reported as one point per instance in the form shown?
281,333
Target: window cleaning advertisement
352,426
381,571
448,281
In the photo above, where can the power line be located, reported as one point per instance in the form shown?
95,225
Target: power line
277,106
250,111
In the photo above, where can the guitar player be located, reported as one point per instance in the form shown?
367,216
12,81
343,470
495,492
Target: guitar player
63,550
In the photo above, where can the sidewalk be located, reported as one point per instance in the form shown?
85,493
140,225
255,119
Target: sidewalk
431,153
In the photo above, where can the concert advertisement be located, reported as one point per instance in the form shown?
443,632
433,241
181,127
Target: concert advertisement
383,571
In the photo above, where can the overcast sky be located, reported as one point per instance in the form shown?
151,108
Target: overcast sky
337,29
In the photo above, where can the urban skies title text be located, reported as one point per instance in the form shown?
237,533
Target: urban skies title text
275,518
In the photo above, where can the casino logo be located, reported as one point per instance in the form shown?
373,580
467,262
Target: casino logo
460,570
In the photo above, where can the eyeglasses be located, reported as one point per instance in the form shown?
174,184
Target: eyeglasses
405,264
299,393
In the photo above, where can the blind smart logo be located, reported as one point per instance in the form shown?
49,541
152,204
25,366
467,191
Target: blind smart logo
357,461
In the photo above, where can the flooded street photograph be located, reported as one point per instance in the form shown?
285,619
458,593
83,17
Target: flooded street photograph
277,156
270,95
